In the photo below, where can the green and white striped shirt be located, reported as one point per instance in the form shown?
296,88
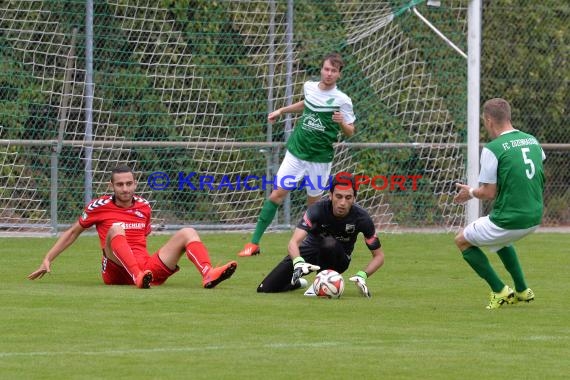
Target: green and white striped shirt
315,132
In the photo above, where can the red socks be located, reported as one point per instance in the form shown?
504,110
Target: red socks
123,252
198,254
195,250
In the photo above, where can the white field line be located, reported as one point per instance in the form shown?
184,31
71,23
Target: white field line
361,345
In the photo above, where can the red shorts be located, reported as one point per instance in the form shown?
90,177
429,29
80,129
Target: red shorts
114,274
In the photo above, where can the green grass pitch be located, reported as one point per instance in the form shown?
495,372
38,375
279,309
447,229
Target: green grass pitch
426,320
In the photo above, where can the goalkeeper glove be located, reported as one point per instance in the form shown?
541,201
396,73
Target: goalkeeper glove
301,268
360,281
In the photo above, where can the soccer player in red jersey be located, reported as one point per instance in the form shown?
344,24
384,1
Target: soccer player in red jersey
122,221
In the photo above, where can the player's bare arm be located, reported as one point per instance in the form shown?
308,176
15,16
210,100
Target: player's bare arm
293,108
293,248
487,191
376,262
64,241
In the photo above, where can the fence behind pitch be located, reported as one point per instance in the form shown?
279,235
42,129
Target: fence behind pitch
185,87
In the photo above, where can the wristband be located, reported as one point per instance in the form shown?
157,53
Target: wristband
297,260
471,192
362,274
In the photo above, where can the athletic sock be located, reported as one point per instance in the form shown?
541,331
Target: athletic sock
481,265
123,252
265,218
508,256
197,252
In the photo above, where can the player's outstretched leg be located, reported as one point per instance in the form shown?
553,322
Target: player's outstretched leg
188,241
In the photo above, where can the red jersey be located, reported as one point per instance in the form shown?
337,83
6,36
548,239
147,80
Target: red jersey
103,213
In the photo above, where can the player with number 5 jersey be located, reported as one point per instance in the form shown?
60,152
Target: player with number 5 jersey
519,178
512,175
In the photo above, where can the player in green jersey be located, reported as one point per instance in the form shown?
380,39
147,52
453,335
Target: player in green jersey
511,174
326,112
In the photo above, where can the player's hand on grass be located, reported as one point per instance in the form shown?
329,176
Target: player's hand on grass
360,281
301,268
39,273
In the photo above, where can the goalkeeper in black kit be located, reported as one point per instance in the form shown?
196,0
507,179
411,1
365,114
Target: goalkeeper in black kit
324,239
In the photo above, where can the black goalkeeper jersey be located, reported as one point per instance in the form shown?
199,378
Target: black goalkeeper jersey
320,222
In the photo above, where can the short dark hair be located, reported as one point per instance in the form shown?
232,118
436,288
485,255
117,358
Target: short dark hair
498,109
335,60
345,180
120,169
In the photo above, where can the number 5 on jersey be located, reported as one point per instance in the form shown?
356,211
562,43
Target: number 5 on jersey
529,172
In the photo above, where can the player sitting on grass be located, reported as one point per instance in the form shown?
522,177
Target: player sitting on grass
325,237
123,223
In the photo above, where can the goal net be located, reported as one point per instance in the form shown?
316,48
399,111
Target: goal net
184,87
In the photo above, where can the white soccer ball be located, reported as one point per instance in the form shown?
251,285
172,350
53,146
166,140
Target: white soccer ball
329,284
